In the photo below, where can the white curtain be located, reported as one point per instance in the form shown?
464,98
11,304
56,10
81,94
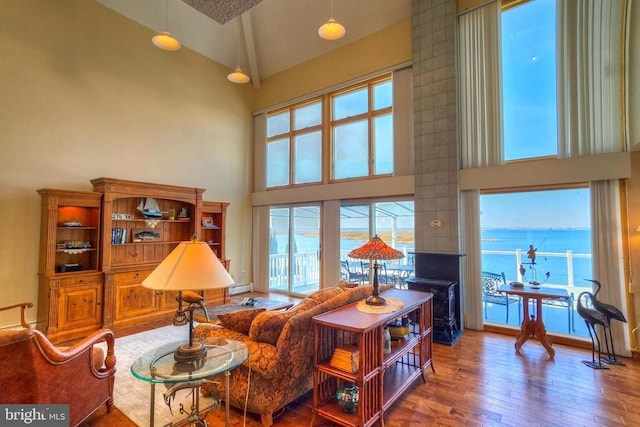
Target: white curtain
589,81
608,266
472,292
480,98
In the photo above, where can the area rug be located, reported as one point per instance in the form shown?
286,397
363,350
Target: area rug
132,396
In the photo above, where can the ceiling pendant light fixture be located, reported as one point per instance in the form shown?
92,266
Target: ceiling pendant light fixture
238,76
331,30
165,40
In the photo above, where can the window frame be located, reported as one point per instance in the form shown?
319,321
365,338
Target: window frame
370,115
291,136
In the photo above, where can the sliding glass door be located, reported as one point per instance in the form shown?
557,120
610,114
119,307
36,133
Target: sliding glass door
294,249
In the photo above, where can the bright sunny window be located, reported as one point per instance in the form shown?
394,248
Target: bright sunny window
529,80
294,145
556,225
362,130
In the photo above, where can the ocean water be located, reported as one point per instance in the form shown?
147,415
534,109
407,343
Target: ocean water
545,241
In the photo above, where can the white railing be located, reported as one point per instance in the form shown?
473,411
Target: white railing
306,270
520,258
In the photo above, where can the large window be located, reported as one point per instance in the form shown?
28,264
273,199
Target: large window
294,249
393,222
362,130
555,225
359,134
294,145
529,80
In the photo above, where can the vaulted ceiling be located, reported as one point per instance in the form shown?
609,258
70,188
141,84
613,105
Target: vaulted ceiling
263,36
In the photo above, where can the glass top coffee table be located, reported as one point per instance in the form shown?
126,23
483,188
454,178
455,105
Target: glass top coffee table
157,366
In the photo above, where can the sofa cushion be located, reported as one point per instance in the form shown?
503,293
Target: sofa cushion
303,305
325,294
239,321
266,327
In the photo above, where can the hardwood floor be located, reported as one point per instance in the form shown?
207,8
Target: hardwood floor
481,381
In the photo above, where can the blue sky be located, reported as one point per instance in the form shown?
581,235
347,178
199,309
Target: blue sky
537,209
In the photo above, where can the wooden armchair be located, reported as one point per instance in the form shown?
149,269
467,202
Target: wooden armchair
33,371
490,294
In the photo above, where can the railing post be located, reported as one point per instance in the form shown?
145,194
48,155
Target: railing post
570,268
518,263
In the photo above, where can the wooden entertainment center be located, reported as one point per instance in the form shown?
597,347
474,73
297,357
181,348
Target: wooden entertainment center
381,378
97,247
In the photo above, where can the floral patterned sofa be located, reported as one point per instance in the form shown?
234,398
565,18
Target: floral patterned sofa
280,350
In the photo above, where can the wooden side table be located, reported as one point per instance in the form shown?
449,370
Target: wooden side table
381,378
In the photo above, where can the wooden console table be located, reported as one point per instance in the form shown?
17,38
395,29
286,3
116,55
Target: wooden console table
381,378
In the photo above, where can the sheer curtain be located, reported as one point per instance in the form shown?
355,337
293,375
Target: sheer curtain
589,68
480,97
472,295
606,242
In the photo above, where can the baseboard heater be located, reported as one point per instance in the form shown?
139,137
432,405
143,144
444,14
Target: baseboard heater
241,289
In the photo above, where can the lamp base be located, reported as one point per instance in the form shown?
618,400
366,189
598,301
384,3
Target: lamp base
190,353
375,300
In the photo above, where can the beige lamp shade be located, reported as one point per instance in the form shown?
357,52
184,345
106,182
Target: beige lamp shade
331,30
166,41
190,266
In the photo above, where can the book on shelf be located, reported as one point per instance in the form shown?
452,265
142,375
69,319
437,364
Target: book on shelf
346,358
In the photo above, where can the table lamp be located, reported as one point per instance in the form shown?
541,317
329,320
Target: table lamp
190,266
375,249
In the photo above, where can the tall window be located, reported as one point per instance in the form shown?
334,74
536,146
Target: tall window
529,80
294,249
362,130
294,145
555,225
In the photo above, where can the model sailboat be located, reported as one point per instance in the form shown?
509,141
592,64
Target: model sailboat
149,208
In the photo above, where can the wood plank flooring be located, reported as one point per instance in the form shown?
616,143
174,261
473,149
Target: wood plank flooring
481,381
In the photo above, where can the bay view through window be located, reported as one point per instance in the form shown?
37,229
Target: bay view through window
555,224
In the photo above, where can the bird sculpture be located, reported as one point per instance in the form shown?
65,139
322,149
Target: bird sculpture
592,317
611,312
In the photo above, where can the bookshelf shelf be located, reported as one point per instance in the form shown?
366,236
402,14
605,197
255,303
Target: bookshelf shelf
381,378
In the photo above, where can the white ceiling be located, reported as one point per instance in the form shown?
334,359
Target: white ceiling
272,36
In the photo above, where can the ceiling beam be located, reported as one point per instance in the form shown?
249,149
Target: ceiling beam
250,45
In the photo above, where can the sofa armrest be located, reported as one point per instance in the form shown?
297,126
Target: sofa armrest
263,357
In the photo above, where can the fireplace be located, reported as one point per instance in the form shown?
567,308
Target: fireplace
440,274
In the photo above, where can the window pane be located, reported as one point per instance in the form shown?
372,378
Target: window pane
278,124
307,116
351,150
306,253
278,163
383,145
308,158
351,104
529,80
383,95
556,225
278,248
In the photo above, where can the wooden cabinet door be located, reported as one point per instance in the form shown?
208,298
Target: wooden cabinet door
80,306
132,299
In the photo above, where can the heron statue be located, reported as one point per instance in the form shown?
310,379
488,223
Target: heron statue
612,313
592,317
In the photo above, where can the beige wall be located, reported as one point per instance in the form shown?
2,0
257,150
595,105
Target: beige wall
85,94
380,51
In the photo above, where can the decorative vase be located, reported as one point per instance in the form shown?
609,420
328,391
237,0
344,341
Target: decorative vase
348,396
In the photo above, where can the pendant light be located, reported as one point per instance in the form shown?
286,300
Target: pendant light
331,30
165,40
238,76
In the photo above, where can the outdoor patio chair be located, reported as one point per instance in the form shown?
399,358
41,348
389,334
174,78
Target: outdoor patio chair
490,294
563,302
349,273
